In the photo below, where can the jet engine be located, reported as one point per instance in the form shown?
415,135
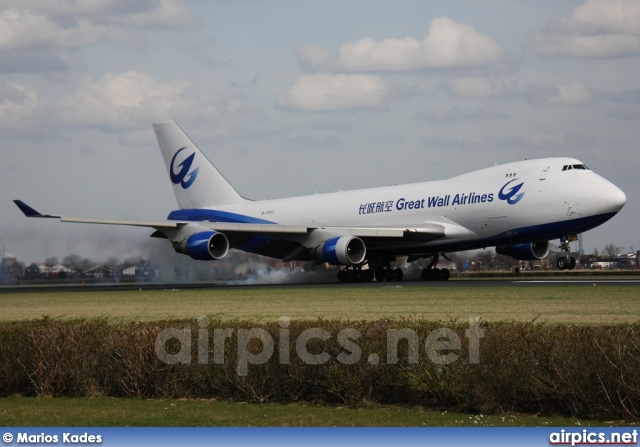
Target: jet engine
204,246
525,252
342,250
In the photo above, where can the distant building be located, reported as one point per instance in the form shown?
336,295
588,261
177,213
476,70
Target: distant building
102,271
8,260
142,269
290,266
10,268
37,270
589,261
626,261
61,271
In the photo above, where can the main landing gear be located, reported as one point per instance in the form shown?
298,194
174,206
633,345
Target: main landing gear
431,273
566,262
380,269
358,274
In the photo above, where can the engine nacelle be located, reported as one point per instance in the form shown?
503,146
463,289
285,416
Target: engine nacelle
204,246
525,252
342,250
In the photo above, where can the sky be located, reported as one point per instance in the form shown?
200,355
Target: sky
292,98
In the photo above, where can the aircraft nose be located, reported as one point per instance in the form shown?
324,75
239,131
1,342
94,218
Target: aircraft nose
616,199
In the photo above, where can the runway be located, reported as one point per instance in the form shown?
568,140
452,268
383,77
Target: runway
470,283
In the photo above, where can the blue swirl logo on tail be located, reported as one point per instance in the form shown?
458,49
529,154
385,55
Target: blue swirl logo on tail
183,177
512,197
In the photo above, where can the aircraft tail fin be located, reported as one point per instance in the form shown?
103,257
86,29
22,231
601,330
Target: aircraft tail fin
196,181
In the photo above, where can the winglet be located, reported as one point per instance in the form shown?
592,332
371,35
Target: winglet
28,211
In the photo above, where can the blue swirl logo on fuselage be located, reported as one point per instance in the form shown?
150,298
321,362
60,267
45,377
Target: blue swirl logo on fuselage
183,177
511,196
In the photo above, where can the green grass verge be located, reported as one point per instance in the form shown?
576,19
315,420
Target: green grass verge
574,305
100,412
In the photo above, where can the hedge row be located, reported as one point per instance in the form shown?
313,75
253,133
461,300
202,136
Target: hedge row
584,371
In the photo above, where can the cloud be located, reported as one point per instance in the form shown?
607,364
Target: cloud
25,30
6,167
447,44
452,114
313,58
32,62
120,100
126,101
115,101
141,14
18,105
325,92
477,87
163,13
626,96
625,113
567,94
597,28
538,144
554,139
33,32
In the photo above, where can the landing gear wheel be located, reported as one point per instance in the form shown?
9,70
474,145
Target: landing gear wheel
357,274
388,275
431,274
398,274
567,262
379,275
369,275
562,263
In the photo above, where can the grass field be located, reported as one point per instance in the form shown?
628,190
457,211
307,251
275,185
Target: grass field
573,305
100,412
568,304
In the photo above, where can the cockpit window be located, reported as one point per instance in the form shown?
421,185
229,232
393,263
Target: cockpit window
582,167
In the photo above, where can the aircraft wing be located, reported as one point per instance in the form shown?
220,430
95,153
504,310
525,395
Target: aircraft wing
424,232
167,224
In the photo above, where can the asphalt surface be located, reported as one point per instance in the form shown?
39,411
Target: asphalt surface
505,282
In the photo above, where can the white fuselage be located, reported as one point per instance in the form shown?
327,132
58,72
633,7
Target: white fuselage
516,207
477,209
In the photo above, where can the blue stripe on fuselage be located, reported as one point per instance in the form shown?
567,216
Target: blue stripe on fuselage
550,231
534,233
199,215
251,245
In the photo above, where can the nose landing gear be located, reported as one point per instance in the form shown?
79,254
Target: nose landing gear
567,262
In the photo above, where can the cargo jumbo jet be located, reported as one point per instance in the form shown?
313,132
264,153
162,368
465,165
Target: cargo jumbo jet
516,207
